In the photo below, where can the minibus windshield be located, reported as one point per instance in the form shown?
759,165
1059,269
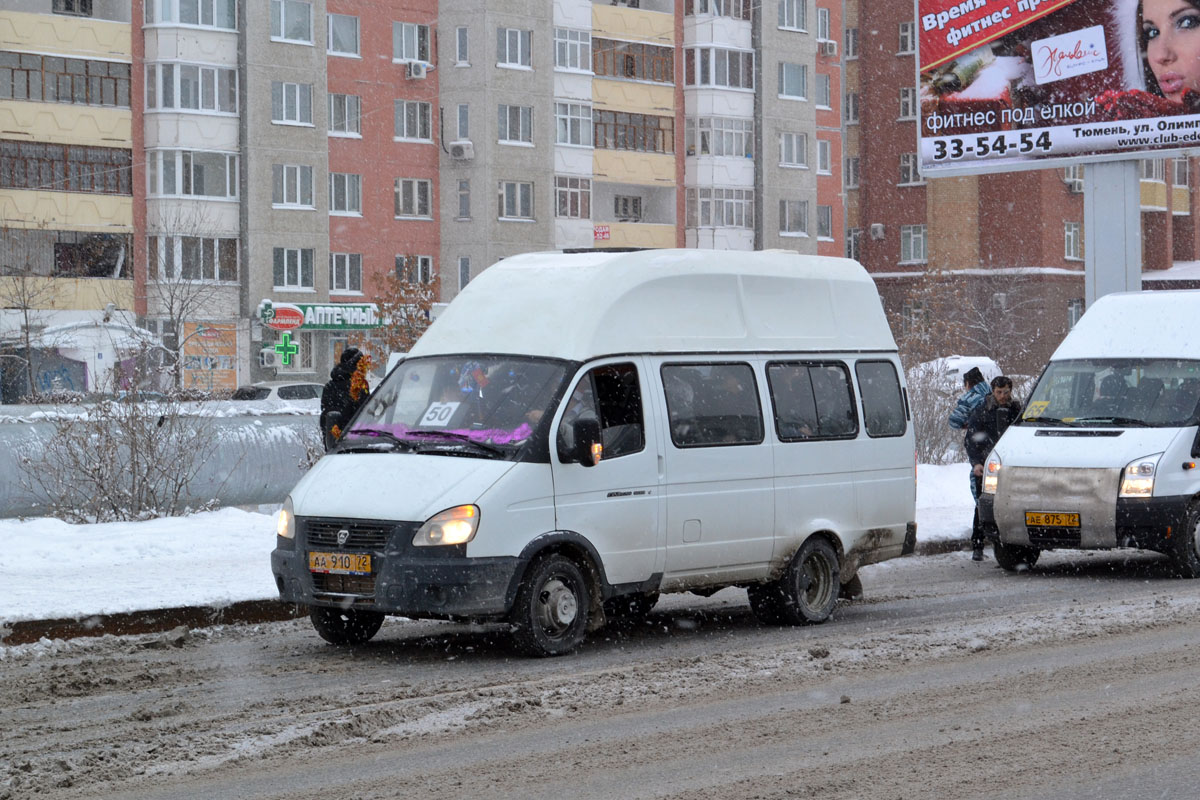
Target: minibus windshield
1109,392
483,406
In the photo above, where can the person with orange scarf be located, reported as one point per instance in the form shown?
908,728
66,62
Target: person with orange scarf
345,393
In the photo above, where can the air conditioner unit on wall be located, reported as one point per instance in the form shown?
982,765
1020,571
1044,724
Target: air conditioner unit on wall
267,357
876,230
1075,186
827,47
462,150
417,70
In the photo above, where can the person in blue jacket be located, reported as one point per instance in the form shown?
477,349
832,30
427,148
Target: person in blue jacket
975,392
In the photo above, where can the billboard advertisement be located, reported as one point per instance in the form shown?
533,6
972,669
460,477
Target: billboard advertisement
1011,84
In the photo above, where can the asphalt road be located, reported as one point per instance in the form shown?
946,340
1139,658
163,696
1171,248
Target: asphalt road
948,679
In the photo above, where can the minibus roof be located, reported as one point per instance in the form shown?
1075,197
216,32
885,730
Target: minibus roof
1150,324
579,306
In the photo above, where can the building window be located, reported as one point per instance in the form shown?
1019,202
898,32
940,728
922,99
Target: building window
908,102
462,50
574,123
1180,169
793,81
515,200
824,97
291,103
464,271
572,197
345,193
291,21
823,27
192,173
54,79
851,108
464,199
851,43
293,268
1072,241
572,49
719,66
636,61
910,169
343,35
627,208
1152,169
190,87
410,42
192,258
1074,311
516,124
345,272
824,157
825,222
793,14
735,9
720,136
793,149
414,120
345,114
413,197
720,208
908,38
854,243
464,122
793,218
618,130
204,13
78,8
852,172
513,47
415,269
912,244
292,186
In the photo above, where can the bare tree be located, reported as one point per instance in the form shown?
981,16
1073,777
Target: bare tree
405,300
1000,314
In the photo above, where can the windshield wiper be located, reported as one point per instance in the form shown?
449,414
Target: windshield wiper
376,433
1047,421
1128,422
459,437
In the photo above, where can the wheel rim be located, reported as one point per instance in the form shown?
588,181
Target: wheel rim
556,607
816,581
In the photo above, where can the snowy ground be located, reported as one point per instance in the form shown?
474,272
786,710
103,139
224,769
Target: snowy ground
51,570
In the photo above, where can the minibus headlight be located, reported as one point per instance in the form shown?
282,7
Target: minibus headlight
1137,479
991,473
285,524
453,526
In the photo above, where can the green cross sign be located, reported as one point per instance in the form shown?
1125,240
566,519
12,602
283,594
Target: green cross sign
286,348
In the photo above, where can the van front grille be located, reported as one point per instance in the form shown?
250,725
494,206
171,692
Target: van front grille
362,535
362,587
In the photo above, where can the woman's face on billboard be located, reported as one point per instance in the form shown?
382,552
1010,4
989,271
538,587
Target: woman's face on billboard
1171,29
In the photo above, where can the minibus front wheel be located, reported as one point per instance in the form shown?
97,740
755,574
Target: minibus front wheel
1187,547
345,626
550,615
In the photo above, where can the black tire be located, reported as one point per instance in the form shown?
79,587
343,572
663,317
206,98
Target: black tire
807,591
550,615
851,589
629,610
345,627
1186,552
1013,557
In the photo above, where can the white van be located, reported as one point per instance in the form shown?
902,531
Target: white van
580,432
1105,453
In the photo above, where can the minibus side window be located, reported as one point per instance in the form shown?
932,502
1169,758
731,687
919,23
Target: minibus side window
712,404
883,405
812,401
612,395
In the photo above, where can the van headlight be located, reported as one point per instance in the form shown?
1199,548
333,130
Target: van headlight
1137,479
285,523
991,473
453,526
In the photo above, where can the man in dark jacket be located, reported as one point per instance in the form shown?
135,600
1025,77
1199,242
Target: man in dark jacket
985,426
337,396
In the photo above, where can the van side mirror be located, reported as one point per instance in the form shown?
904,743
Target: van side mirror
1196,445
333,418
587,441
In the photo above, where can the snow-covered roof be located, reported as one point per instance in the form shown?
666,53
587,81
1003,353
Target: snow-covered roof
584,305
1157,324
87,335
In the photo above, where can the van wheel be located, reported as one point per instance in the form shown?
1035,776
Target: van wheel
345,626
1013,557
628,610
550,616
807,592
766,601
1187,548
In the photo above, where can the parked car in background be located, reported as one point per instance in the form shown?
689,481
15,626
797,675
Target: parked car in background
278,390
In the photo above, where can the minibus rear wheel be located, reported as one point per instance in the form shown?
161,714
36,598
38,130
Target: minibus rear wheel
550,615
1187,547
807,591
345,626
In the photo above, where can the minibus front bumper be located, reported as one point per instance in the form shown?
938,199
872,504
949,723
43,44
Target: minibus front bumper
1151,523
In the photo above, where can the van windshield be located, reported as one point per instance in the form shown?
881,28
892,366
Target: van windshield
1153,393
481,406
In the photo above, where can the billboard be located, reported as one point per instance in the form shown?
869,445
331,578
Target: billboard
1011,84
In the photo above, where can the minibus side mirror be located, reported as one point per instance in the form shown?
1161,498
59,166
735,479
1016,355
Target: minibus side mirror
587,440
333,418
1196,445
